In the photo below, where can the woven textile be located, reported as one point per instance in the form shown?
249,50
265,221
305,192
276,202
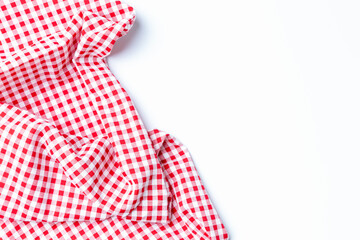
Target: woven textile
76,162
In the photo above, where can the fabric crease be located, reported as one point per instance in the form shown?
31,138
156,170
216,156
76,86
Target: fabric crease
76,161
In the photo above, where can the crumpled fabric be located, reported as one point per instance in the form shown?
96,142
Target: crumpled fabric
76,161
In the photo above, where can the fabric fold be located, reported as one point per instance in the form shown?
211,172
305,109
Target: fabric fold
76,161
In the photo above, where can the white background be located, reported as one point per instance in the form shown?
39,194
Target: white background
265,94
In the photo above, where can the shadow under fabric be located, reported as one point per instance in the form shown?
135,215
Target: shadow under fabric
76,162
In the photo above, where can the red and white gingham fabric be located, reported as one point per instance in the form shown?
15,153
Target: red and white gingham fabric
76,162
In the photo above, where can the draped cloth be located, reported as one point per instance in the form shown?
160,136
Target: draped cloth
76,161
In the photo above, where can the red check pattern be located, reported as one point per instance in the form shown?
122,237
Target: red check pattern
76,162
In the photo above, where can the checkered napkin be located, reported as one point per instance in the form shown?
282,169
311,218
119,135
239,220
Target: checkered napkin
76,162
